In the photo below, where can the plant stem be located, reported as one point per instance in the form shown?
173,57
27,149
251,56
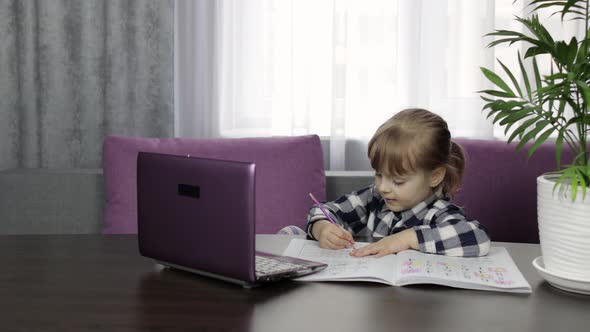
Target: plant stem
579,126
567,133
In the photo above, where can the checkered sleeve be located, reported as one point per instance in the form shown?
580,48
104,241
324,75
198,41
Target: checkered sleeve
446,231
350,211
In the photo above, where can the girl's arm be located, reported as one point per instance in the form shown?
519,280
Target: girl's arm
351,211
448,232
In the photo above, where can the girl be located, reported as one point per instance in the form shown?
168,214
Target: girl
418,169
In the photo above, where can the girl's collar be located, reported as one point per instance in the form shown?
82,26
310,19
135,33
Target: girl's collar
438,194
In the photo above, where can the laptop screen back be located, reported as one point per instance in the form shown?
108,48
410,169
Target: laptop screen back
197,213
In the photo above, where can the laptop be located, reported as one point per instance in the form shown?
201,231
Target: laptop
198,215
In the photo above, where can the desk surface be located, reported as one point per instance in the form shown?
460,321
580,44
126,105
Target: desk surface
100,283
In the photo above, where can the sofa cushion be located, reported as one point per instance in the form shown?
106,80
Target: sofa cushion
500,188
287,169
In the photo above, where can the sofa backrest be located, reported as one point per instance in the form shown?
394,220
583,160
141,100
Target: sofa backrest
287,169
499,187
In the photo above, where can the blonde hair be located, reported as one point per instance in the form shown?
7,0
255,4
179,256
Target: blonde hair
416,139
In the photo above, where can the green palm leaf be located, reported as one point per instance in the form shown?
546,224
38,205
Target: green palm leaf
557,103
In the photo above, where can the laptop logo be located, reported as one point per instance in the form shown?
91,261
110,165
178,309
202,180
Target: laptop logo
189,191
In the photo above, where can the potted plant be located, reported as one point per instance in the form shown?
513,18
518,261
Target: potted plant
551,106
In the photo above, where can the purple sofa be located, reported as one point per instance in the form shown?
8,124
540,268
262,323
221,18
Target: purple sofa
499,186
287,170
500,189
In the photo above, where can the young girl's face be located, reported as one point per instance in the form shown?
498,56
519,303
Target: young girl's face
403,192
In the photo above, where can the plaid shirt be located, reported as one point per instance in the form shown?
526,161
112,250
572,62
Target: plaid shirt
440,226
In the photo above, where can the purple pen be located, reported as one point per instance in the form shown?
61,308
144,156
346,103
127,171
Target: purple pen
326,214
321,208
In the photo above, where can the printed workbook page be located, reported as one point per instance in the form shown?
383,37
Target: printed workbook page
342,266
496,271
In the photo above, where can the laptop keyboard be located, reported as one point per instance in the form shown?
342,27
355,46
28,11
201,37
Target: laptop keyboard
267,265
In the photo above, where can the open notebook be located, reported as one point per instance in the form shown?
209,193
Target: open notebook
494,272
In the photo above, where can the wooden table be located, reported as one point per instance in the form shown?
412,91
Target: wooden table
100,283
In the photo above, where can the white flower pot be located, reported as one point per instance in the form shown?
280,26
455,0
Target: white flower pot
564,230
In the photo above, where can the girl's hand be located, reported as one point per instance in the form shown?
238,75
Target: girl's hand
331,236
391,244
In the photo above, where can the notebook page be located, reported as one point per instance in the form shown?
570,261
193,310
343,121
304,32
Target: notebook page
342,266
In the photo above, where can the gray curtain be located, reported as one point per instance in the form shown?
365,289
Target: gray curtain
73,71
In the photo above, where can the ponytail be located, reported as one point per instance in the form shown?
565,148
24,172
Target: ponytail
454,169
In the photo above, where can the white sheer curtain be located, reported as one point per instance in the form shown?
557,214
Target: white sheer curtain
333,68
